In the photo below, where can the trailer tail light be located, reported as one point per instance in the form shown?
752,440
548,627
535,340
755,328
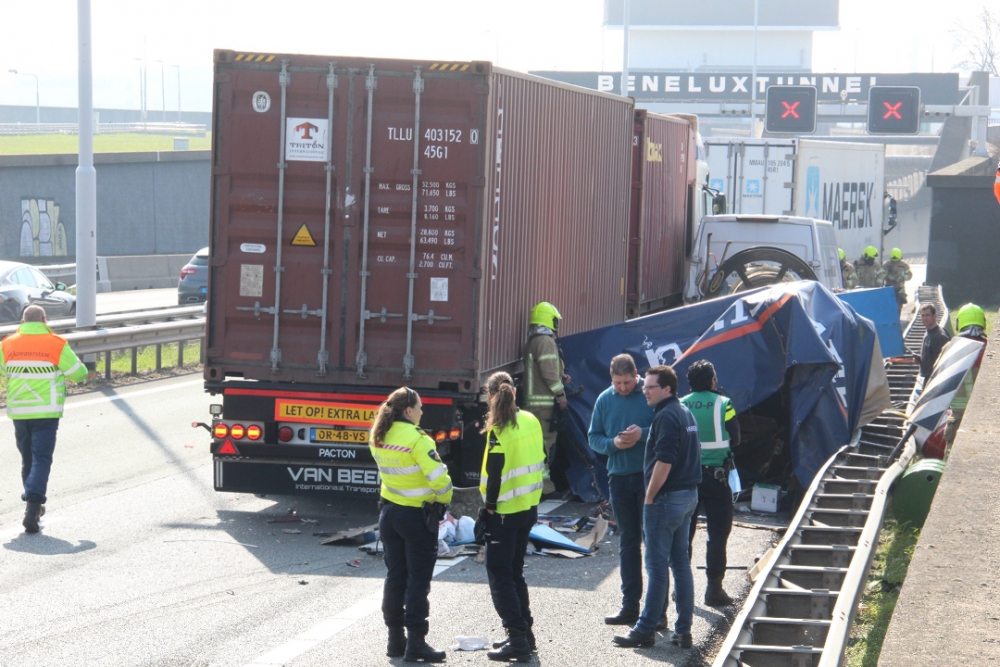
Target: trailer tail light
237,431
455,434
254,432
188,271
220,431
285,433
440,436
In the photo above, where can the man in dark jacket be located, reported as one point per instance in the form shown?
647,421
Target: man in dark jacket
934,340
672,475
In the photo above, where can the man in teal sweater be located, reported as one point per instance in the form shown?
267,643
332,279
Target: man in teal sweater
618,429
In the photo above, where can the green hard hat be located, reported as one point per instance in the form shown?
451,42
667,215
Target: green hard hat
896,254
970,314
546,315
841,252
870,251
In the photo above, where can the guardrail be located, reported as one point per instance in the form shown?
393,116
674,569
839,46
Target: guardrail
131,331
16,129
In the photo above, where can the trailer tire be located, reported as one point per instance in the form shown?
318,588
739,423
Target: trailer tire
757,267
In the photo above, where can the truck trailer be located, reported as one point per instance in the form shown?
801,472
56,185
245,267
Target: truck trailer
843,183
378,223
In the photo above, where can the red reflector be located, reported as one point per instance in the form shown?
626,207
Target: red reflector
936,445
285,433
227,447
220,431
455,434
237,431
254,432
440,436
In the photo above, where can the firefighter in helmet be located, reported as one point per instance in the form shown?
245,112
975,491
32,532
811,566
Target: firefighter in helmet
870,273
897,272
847,271
544,377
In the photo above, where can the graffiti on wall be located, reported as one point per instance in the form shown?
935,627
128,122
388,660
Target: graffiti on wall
42,235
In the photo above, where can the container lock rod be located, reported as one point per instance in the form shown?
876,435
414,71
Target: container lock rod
408,361
361,359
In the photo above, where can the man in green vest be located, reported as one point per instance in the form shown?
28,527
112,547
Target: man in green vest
545,378
719,432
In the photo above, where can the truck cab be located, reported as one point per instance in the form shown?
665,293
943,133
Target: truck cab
733,253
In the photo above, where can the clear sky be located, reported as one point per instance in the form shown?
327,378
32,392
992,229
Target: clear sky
40,37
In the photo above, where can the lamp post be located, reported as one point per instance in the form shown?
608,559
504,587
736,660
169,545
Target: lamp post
753,76
163,93
142,90
625,31
178,92
86,177
38,108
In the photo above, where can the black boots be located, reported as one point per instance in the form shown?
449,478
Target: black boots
31,513
623,617
397,643
516,647
635,640
529,635
715,595
683,640
418,650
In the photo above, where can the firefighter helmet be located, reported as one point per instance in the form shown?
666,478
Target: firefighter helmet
840,251
896,254
971,314
546,315
870,251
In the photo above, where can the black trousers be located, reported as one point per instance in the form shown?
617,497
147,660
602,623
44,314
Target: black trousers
506,544
715,500
410,555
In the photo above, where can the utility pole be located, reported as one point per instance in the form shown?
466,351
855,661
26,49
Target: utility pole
625,32
142,106
753,76
163,92
86,179
178,92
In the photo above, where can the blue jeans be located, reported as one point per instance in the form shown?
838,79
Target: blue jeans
666,523
36,440
628,493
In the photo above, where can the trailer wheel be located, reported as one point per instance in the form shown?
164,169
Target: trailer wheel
757,267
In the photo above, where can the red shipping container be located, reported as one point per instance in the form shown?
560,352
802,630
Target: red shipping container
662,186
378,222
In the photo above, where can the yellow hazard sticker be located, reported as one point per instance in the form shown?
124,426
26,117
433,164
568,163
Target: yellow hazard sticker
310,412
303,237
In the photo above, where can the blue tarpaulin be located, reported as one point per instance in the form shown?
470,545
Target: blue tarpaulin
796,333
879,306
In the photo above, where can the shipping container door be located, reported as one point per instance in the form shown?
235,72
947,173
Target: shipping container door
270,217
764,177
418,198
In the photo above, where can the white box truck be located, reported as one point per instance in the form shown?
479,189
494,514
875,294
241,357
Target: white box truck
843,183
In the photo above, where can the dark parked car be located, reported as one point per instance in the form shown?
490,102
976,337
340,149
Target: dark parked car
22,285
193,287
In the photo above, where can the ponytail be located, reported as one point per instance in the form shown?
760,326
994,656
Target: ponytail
390,411
503,405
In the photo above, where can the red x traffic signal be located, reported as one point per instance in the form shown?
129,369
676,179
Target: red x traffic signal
790,110
893,110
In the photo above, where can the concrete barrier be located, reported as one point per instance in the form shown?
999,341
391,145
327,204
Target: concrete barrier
129,272
947,612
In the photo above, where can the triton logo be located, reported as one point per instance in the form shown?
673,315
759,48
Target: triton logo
306,129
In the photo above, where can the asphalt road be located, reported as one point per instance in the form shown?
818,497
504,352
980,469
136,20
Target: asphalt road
140,562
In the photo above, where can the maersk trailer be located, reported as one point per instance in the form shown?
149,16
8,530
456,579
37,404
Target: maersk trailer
843,183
